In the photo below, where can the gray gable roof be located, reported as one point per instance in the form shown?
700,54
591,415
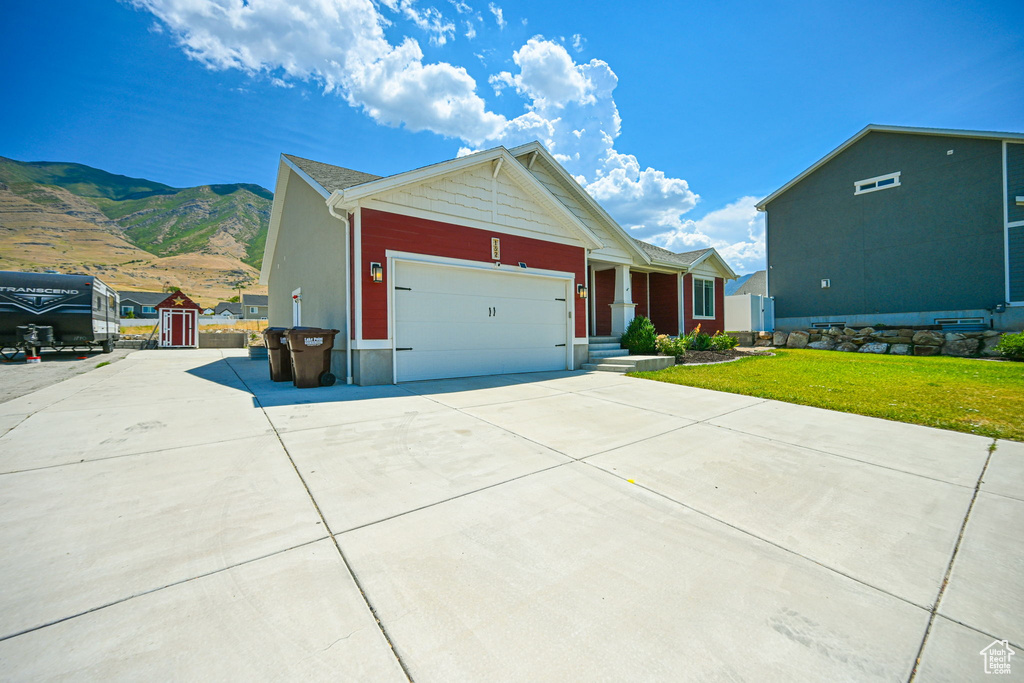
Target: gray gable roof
684,258
755,284
229,306
254,299
329,177
142,298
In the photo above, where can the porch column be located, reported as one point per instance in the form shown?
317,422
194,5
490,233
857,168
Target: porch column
622,306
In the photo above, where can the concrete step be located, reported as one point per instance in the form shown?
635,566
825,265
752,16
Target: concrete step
634,363
604,353
607,367
609,346
604,340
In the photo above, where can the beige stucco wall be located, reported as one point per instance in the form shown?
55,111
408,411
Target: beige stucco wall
310,254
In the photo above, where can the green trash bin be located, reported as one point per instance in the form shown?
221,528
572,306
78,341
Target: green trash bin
310,349
277,354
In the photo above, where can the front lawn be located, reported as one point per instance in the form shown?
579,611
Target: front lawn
966,395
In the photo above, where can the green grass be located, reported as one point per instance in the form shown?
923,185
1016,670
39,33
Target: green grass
965,395
100,365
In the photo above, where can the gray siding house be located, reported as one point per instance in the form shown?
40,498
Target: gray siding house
140,304
254,306
902,226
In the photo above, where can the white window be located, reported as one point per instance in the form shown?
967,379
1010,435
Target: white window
125,310
881,182
149,309
254,309
703,298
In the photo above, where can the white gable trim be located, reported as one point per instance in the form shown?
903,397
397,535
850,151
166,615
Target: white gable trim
947,132
535,149
720,264
284,170
349,197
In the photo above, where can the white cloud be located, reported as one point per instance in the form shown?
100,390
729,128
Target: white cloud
578,42
429,20
736,231
339,46
499,15
470,30
461,7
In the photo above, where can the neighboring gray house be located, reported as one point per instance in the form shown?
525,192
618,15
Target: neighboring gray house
141,304
902,226
254,306
757,284
228,309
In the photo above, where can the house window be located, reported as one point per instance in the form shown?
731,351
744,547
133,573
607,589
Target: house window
703,298
149,309
254,309
125,310
881,182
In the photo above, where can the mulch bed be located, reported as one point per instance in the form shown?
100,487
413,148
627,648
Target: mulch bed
713,356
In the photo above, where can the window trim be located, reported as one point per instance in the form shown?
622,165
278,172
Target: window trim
872,184
131,309
693,297
254,309
149,309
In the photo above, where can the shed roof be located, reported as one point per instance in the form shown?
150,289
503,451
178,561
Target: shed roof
178,300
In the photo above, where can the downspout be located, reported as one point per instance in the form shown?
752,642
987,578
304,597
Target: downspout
331,203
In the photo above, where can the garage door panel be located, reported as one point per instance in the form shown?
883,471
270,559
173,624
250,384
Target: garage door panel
459,322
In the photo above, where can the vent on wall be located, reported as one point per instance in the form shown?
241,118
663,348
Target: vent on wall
825,326
825,283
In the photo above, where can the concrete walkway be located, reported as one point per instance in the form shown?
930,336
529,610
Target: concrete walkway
177,515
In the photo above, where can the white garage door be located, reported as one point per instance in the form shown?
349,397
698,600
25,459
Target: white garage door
458,322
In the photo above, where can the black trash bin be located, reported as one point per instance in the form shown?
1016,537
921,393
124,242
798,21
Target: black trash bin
311,356
277,354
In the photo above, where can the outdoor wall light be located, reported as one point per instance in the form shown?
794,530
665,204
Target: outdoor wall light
581,290
376,272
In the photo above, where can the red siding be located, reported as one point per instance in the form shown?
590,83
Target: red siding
709,326
664,303
638,285
603,297
382,231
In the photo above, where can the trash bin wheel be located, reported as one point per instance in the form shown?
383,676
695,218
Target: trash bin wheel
327,379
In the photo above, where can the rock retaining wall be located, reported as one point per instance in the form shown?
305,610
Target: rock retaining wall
901,342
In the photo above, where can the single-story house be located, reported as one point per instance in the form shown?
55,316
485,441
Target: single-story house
140,304
254,306
756,284
494,262
228,309
902,227
207,310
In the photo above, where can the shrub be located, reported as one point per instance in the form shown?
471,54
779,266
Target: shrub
697,340
640,337
671,346
130,315
723,342
1011,346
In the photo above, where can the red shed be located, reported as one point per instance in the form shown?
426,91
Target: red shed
179,321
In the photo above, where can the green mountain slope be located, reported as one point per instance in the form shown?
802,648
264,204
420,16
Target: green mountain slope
228,219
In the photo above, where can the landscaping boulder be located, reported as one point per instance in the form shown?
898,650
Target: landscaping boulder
865,331
779,339
991,333
849,331
833,332
953,336
928,338
900,349
823,344
874,347
764,335
960,347
884,334
899,340
905,332
922,350
763,342
846,346
798,339
815,336
745,338
988,346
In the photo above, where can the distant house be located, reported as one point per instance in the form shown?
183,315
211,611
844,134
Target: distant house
140,304
756,284
208,310
902,227
228,309
254,306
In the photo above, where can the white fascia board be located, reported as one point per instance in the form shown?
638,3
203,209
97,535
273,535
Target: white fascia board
349,197
947,132
320,189
284,170
583,195
728,272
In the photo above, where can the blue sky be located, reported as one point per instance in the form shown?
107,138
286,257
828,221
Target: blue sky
676,116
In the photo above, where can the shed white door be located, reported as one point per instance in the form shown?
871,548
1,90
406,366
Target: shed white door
459,322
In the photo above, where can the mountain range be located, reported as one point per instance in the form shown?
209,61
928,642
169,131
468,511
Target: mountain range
131,232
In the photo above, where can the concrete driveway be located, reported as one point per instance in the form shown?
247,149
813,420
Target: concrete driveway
177,515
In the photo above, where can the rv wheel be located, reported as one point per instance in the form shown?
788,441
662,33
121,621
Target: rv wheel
108,346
